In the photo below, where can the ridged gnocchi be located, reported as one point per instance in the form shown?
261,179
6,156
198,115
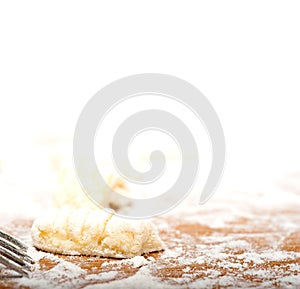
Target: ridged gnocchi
93,233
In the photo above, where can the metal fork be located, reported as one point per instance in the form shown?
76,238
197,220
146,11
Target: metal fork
13,255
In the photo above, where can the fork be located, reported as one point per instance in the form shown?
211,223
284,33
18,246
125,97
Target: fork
13,255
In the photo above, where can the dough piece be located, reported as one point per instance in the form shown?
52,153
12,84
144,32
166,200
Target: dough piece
70,193
94,233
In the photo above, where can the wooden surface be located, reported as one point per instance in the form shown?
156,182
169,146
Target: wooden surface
261,250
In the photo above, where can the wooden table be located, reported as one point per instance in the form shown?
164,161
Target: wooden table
260,248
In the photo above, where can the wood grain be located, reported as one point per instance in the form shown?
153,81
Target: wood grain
219,255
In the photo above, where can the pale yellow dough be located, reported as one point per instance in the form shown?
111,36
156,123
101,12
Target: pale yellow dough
94,233
69,192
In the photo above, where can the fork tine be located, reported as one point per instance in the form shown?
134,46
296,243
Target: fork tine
13,240
13,266
14,258
13,255
16,251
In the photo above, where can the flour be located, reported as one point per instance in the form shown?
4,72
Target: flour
134,262
63,271
251,254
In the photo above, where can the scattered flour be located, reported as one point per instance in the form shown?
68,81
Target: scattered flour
134,262
202,261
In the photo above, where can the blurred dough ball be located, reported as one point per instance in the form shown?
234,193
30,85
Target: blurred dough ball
70,193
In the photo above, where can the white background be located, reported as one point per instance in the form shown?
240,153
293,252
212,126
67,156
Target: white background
243,55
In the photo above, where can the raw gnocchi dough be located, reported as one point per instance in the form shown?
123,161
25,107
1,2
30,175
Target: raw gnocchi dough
94,233
69,192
